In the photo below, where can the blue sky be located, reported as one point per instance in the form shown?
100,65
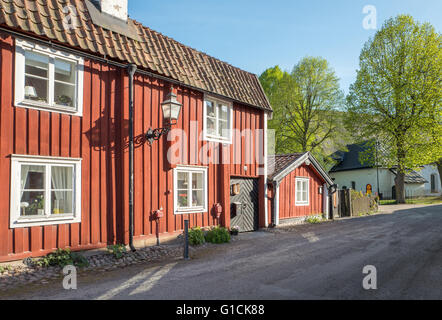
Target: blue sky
255,35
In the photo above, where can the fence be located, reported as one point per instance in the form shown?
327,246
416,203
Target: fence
352,203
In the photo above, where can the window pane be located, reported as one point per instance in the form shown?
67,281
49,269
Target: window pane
223,129
65,71
182,199
197,198
36,64
32,203
298,185
197,180
32,177
64,94
36,89
61,202
305,185
210,109
210,126
183,180
304,196
223,112
61,177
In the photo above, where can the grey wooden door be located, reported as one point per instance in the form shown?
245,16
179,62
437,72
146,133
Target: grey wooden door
244,208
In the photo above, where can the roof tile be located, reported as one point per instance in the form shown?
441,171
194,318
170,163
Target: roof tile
155,52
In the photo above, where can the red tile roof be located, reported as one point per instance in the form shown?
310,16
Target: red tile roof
155,52
278,162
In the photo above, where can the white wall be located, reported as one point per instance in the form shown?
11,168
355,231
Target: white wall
426,172
362,177
415,190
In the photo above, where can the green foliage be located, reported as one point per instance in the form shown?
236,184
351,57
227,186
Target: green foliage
218,235
356,194
3,269
37,204
306,104
196,236
117,250
313,220
61,258
396,98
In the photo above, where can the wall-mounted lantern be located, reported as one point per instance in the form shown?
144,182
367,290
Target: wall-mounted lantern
171,112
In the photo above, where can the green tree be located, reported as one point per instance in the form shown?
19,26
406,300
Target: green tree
396,98
306,105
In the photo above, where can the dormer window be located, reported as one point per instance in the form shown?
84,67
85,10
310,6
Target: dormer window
48,79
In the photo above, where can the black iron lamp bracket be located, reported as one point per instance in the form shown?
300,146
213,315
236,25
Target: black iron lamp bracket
155,134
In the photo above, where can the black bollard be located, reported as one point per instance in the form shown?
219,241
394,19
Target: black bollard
186,239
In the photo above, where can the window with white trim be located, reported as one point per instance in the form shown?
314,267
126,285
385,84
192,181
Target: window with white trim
190,189
302,191
217,120
48,79
45,190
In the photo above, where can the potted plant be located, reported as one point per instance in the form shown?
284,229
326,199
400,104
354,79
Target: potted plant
37,205
64,100
234,230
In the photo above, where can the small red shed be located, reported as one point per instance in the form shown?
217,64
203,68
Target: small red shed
298,188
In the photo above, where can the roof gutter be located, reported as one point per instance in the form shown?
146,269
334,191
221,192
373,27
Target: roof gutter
84,54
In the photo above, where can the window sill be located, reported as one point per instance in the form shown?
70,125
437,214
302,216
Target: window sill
45,107
302,204
190,211
219,140
44,221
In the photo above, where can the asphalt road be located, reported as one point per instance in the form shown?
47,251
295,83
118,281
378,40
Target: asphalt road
323,261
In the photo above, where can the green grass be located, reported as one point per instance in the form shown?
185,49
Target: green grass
387,202
423,200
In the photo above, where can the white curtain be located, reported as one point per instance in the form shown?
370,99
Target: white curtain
24,178
62,179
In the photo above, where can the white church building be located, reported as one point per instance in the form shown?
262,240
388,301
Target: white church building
349,172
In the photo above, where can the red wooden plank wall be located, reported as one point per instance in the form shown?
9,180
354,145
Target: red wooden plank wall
100,138
151,165
287,189
91,137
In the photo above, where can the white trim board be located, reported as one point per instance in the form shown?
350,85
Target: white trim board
15,218
296,163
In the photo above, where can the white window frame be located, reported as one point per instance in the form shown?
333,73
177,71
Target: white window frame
17,221
216,137
299,202
189,169
21,46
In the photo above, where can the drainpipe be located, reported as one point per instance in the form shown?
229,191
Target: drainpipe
275,203
131,71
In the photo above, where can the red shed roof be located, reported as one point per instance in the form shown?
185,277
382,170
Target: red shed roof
152,51
280,165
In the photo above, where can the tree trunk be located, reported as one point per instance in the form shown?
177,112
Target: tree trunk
439,168
399,182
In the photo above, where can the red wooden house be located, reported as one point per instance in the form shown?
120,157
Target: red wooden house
66,122
298,188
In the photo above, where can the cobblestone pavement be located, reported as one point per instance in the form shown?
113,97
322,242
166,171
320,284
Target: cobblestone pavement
16,275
